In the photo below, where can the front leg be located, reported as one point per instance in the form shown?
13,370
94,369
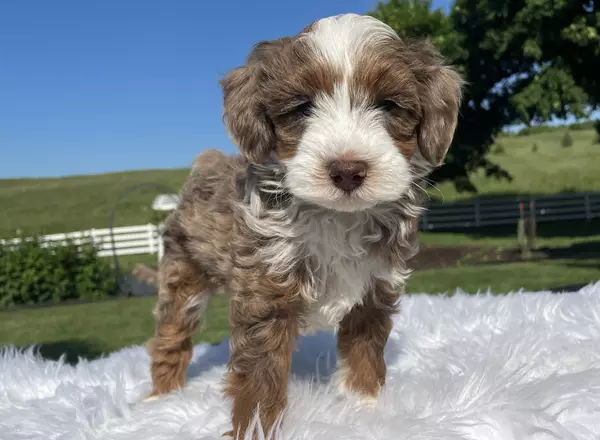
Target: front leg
261,343
362,336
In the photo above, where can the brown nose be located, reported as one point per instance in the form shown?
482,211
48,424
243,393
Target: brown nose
348,175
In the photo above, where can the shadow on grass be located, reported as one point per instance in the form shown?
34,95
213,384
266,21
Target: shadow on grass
72,349
577,251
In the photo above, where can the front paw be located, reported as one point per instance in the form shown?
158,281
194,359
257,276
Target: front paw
151,398
355,392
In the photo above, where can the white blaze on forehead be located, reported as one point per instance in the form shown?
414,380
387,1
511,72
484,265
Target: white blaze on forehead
339,38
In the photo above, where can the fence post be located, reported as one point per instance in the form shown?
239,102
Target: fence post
532,225
93,237
161,245
588,207
522,233
151,237
477,214
424,221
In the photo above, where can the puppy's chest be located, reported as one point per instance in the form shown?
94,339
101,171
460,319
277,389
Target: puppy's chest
342,267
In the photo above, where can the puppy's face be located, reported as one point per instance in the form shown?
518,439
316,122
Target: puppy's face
347,107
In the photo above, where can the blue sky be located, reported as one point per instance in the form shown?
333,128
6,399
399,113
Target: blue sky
92,87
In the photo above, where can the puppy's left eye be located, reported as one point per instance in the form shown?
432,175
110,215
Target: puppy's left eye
387,105
305,109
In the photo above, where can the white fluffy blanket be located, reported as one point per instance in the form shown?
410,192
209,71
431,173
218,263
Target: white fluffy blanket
520,366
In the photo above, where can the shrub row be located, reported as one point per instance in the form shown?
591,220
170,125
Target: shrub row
34,274
577,126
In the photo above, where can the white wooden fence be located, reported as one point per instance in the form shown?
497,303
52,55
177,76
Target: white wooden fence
128,240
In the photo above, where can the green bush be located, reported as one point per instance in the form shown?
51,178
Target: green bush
566,140
498,148
526,131
585,125
536,129
33,274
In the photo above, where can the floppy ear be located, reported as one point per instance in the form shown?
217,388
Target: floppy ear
244,114
440,90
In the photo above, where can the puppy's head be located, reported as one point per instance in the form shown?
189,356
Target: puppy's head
347,107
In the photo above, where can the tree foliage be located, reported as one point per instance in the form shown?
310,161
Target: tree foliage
525,61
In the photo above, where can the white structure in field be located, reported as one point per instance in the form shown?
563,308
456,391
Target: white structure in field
165,202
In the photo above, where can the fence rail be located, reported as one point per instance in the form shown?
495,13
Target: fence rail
128,240
507,210
145,239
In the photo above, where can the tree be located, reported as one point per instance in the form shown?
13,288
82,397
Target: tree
524,61
416,19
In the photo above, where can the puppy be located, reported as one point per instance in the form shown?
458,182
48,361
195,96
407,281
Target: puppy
310,227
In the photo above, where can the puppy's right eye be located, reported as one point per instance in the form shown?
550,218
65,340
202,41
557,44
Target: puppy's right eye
304,109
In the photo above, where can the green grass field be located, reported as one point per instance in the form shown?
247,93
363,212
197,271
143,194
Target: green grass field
90,330
79,202
551,169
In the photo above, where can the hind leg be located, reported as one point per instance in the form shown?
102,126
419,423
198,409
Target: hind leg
184,294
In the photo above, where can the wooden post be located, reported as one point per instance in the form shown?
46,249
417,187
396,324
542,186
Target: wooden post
424,222
532,233
588,207
93,236
521,234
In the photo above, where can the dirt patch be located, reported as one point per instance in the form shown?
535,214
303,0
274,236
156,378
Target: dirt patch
438,256
429,257
435,256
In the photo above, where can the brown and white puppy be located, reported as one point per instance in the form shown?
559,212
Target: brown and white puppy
310,228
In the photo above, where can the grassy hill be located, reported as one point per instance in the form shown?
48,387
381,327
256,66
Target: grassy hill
549,170
83,202
79,202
